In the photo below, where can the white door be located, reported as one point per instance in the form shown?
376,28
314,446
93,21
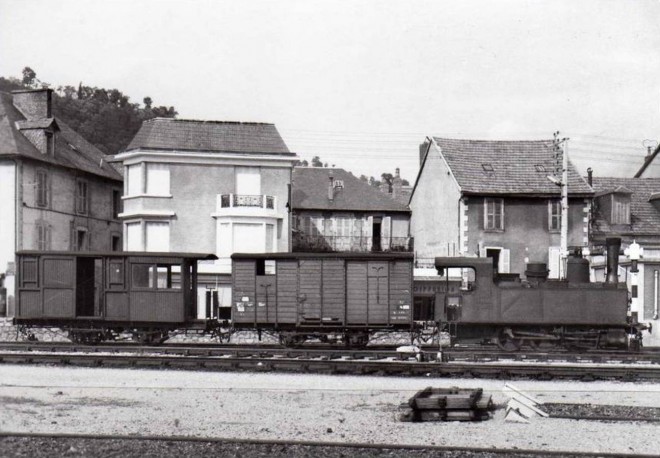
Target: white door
554,261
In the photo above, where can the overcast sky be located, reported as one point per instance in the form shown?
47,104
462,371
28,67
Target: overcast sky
361,83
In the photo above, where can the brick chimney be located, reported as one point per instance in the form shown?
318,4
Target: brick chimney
331,187
397,183
422,151
34,103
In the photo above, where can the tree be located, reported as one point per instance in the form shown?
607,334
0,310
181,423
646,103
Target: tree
147,102
316,162
29,77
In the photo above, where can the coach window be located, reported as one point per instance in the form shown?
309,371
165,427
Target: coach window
116,273
142,275
165,277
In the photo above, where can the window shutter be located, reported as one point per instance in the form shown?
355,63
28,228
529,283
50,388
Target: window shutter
385,232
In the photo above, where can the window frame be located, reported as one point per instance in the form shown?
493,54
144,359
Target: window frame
42,188
495,202
43,237
620,207
552,203
82,198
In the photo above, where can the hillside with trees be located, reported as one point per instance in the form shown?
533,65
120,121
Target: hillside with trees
104,117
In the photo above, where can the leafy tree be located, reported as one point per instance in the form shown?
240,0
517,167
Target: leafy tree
316,162
29,77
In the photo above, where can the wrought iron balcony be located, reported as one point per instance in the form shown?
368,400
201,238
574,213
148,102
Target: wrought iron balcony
244,200
323,243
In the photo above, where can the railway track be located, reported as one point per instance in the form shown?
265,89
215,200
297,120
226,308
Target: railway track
326,362
42,445
455,354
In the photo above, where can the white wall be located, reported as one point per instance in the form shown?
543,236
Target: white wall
435,207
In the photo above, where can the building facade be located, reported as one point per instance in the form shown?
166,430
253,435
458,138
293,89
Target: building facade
207,187
57,191
494,199
629,208
335,211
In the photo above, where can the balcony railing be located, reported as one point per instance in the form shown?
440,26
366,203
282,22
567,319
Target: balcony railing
244,200
321,243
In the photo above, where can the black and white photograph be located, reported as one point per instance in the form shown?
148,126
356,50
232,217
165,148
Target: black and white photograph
314,228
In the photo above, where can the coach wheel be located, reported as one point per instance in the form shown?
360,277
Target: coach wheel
291,339
507,343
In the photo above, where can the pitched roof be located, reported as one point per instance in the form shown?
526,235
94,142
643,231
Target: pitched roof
71,150
507,167
309,191
644,217
209,136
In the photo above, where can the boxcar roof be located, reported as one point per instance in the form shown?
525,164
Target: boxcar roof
324,255
126,254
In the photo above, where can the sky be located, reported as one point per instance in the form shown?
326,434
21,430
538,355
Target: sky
362,83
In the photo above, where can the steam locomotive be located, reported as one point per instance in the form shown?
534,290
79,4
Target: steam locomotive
331,297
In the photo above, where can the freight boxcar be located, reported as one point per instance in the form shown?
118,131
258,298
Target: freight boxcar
97,296
329,296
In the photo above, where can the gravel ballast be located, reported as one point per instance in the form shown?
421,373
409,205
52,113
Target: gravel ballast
324,408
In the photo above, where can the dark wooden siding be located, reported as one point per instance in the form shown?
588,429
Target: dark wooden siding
378,287
157,306
287,291
310,276
116,306
266,298
356,292
400,292
334,291
244,279
58,272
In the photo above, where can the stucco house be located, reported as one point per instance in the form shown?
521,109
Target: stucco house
208,187
335,211
58,192
494,199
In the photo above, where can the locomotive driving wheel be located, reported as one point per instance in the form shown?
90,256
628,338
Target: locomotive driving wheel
506,341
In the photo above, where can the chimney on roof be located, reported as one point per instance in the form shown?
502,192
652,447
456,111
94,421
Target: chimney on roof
648,151
396,183
590,176
33,103
331,187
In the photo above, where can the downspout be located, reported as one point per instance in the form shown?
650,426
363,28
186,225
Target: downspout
655,295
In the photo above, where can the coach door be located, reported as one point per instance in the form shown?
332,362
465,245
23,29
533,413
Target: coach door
309,292
89,287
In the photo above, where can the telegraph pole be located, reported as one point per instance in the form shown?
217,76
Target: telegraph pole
560,148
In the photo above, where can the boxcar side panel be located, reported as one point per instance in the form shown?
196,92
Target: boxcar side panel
287,291
400,292
58,274
310,276
356,292
58,303
244,279
266,310
378,286
607,306
334,291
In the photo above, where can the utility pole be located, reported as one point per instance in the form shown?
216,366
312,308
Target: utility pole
560,147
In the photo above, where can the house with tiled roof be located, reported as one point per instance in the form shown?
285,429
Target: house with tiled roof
207,186
630,208
58,192
495,199
335,211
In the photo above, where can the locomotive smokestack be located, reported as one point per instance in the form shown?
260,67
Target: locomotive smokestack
613,246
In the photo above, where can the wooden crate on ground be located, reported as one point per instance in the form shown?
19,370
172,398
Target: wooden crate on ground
447,404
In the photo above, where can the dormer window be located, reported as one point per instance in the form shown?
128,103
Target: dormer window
620,209
488,167
50,144
338,184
